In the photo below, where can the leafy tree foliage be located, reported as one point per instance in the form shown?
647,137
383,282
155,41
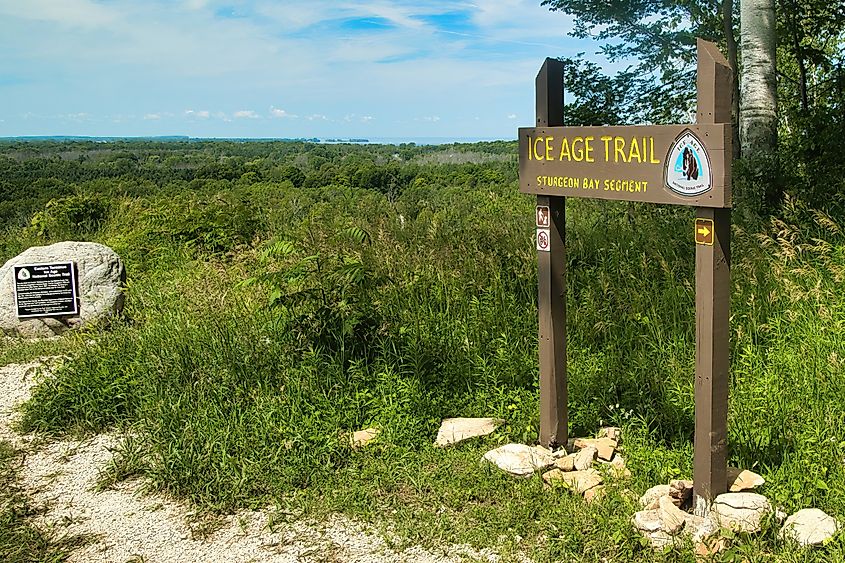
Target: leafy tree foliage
658,39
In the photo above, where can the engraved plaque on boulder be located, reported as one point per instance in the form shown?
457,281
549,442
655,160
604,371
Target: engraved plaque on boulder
46,290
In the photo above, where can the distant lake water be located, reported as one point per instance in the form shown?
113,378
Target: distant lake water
326,140
432,140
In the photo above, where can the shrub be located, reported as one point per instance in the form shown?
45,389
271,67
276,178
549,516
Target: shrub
73,217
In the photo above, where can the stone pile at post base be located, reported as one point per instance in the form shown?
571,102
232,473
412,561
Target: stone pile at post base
665,519
101,276
581,472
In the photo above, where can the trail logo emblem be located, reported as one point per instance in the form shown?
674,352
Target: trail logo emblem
688,170
23,275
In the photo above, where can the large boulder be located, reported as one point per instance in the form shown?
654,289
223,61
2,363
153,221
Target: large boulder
101,276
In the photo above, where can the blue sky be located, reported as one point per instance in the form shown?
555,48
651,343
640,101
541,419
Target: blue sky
274,68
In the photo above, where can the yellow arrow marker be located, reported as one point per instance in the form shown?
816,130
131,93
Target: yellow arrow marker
704,231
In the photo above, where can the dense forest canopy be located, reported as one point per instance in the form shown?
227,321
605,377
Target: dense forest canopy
33,173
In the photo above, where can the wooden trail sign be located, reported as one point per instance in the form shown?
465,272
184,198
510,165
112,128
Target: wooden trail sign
669,164
675,164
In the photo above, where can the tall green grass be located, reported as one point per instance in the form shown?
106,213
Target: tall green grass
253,346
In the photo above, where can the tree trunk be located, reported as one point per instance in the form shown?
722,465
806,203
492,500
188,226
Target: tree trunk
792,20
733,60
758,96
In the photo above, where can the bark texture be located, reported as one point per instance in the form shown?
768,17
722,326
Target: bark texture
758,91
733,60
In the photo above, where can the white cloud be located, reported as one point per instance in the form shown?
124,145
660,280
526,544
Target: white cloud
152,117
354,117
182,54
280,113
511,116
65,13
196,4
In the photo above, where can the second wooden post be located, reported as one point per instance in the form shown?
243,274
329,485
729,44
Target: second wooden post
551,275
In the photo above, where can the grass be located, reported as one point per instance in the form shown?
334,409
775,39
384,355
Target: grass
255,342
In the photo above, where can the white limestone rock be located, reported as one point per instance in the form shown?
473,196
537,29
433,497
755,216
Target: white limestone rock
652,496
566,463
577,481
680,490
809,527
672,518
519,459
743,480
648,523
361,438
741,512
700,528
605,447
454,430
584,459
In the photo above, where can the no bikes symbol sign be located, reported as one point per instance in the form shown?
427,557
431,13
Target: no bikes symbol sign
543,224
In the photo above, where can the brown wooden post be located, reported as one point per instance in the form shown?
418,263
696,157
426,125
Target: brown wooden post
551,277
712,300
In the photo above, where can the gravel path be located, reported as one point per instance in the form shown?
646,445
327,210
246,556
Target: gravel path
125,525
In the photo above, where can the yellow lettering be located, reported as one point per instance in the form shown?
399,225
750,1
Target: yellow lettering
577,153
606,139
651,150
549,147
558,182
634,151
564,150
536,154
619,149
588,149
